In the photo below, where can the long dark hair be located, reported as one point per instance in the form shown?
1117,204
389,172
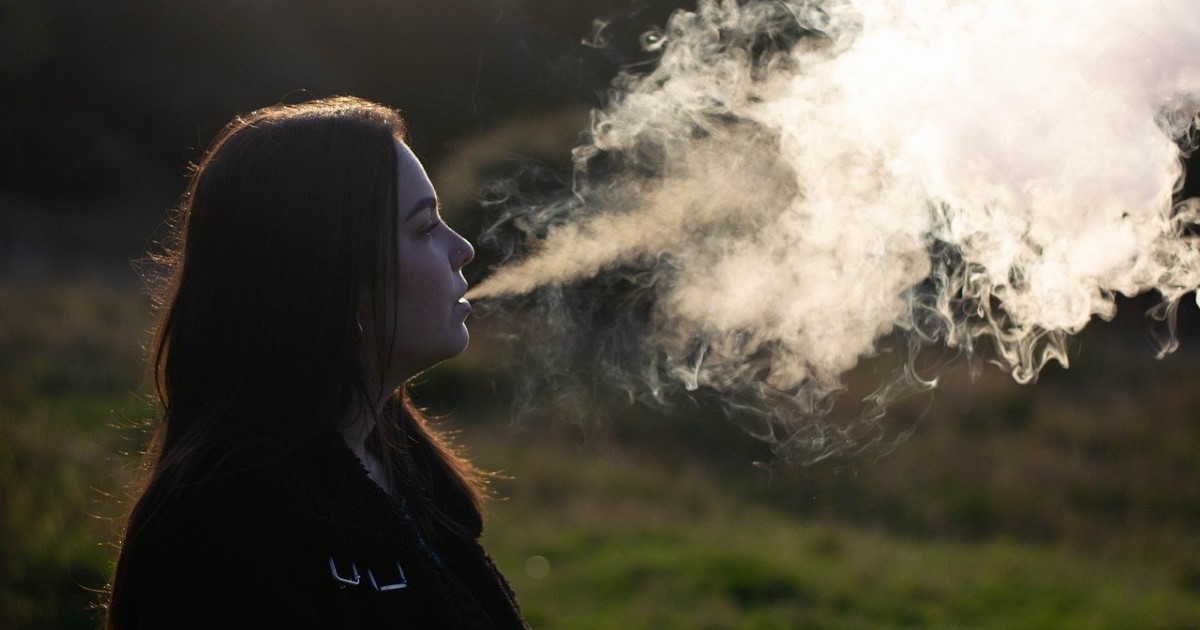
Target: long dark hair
287,227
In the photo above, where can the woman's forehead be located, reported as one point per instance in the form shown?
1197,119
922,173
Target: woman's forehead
412,179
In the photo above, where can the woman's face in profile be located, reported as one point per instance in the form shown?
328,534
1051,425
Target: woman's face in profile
430,309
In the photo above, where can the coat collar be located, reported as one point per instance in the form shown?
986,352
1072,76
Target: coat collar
338,503
336,508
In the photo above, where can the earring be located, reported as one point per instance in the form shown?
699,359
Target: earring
358,325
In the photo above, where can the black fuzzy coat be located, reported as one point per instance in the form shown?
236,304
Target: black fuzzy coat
255,549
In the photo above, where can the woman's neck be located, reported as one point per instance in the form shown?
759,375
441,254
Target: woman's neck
355,431
356,428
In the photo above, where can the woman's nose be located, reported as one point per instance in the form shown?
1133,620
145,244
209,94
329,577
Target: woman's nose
462,253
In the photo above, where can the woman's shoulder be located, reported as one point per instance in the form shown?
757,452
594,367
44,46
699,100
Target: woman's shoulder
282,498
216,553
226,529
315,497
250,543
308,536
239,502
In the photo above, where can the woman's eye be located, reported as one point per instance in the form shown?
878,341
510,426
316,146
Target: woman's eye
432,226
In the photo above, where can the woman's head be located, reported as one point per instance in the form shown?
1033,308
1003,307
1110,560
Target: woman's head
308,272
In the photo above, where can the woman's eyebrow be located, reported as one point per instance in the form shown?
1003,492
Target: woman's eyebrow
423,203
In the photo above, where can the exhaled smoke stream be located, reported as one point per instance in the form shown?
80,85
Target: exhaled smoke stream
795,180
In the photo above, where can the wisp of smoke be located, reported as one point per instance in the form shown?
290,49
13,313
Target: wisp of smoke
795,180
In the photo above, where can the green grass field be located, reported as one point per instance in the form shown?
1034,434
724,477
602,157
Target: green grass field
1074,503
617,542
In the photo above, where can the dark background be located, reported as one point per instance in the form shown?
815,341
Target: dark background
102,104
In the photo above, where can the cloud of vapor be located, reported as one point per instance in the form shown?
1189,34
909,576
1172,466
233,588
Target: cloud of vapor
796,180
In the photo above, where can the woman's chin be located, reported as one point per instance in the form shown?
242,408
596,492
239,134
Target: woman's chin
463,342
412,359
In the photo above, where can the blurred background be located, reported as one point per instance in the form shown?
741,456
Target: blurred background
1074,502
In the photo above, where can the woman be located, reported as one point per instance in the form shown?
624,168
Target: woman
291,481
